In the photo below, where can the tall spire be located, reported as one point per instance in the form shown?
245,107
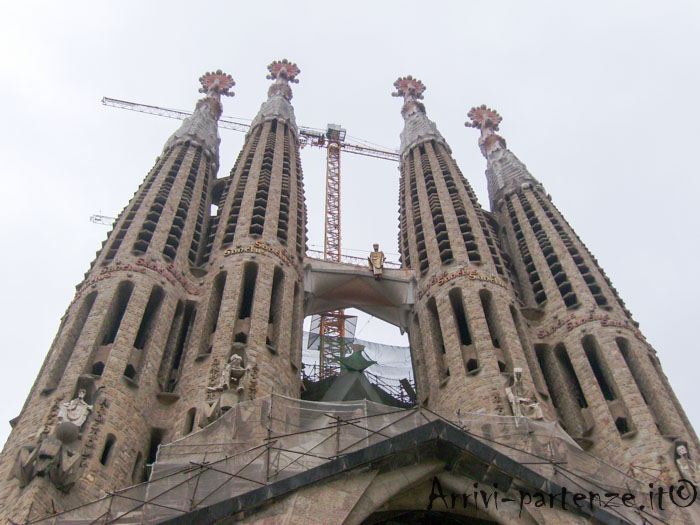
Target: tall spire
504,171
202,126
277,105
418,127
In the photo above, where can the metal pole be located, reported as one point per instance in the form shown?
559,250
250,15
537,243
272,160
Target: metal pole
269,436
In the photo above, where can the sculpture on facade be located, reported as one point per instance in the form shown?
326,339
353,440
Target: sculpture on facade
686,466
230,386
75,411
55,456
232,374
376,262
522,401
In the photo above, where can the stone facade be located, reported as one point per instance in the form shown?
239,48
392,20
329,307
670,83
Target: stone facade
183,314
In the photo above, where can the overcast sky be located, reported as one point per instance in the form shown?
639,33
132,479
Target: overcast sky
599,99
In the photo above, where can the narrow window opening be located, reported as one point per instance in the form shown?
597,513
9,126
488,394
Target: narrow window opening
70,341
250,274
212,318
590,347
275,314
116,311
97,368
150,316
563,358
651,398
137,472
485,297
107,449
436,336
622,426
130,371
156,440
189,421
180,329
532,360
460,316
295,344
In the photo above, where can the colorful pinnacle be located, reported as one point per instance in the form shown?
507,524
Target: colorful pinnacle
409,87
283,69
217,83
483,117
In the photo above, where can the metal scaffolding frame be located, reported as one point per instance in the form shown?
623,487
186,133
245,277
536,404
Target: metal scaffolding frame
193,472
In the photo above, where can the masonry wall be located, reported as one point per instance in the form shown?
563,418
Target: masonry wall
463,331
595,365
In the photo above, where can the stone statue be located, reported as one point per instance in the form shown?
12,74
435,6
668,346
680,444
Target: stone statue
522,401
376,262
686,466
231,373
75,411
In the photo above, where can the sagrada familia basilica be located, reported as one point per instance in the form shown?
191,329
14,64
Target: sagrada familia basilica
172,392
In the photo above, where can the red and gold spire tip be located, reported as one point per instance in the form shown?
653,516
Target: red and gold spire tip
216,83
283,69
409,86
483,117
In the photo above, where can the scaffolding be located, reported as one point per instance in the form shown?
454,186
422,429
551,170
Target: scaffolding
266,440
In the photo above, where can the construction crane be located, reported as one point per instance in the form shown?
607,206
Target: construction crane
332,325
102,219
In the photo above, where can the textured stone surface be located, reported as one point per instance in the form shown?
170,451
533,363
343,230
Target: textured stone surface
514,288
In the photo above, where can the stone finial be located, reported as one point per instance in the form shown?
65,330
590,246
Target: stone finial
283,69
409,88
216,84
201,127
483,118
486,120
504,171
282,72
418,127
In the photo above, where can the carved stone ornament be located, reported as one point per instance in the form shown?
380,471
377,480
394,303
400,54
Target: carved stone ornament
48,458
522,401
75,411
232,374
687,468
376,262
417,127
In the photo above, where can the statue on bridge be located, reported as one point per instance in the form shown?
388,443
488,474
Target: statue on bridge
376,262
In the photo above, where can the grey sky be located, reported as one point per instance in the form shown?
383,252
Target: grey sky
599,99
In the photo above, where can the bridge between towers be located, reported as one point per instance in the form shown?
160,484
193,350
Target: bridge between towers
330,286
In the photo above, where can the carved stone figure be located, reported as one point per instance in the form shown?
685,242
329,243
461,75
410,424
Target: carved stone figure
522,401
376,262
75,411
49,458
686,466
231,375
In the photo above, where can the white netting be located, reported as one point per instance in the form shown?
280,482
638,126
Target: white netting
393,364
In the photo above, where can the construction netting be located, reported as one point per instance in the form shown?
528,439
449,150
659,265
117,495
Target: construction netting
272,438
392,371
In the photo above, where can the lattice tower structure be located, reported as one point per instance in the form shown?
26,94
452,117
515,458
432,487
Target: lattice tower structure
332,324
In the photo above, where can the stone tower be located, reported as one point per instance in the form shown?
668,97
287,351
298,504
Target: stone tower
190,319
175,298
467,335
592,363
